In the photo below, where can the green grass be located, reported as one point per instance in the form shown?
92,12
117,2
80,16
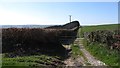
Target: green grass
33,60
103,53
98,27
76,51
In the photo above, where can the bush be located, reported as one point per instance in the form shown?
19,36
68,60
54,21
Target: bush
111,38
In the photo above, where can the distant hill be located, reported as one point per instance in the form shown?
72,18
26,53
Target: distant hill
25,26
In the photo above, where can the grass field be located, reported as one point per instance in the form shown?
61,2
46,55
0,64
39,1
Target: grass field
33,60
98,27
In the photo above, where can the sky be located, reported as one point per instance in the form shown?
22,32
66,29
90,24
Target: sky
57,13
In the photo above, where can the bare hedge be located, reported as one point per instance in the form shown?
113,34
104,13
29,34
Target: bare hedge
111,38
36,39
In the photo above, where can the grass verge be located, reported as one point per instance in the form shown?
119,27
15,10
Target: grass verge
33,60
76,51
101,52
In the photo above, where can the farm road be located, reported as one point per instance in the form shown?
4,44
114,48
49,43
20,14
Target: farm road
83,60
91,59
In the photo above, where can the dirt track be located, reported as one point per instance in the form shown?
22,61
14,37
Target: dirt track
86,60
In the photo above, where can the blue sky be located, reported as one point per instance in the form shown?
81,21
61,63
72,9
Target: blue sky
56,13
